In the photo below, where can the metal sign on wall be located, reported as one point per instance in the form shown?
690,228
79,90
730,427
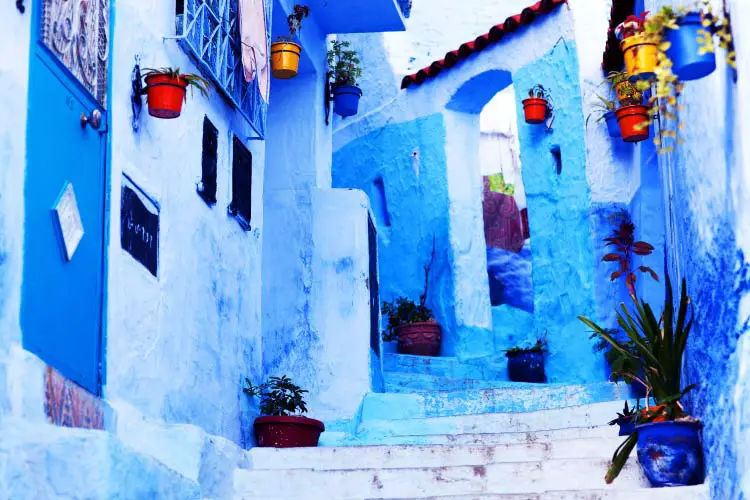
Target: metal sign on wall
139,226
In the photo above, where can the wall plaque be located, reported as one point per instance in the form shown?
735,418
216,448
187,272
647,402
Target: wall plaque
69,220
139,227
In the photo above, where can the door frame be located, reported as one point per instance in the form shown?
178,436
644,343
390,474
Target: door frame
39,53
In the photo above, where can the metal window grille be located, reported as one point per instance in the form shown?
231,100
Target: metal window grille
242,183
207,187
209,31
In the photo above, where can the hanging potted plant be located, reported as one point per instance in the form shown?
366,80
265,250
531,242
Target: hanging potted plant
166,90
282,425
632,114
606,108
536,107
526,364
284,52
343,71
638,48
668,439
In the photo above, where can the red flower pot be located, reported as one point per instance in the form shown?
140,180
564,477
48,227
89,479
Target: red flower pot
420,339
633,122
287,432
165,95
535,110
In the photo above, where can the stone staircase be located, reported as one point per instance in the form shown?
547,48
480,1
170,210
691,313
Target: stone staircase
478,436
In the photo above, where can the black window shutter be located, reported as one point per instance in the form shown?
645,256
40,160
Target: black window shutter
207,187
242,182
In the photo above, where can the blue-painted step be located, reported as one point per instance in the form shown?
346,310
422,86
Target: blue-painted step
448,367
402,382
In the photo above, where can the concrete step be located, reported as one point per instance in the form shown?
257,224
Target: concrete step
700,492
43,461
426,482
492,368
403,382
371,431
399,457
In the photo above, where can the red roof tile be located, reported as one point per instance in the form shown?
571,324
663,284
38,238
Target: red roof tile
496,33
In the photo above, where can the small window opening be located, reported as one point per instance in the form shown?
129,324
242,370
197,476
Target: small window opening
380,204
555,150
207,186
242,183
179,7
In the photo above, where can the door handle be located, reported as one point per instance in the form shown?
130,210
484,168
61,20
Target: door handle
95,119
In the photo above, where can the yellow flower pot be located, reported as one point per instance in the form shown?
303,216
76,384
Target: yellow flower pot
285,59
640,56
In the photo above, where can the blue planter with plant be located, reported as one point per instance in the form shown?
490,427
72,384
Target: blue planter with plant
527,364
626,420
689,62
671,453
343,71
612,126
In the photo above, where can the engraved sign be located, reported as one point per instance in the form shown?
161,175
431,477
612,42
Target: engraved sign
139,228
69,220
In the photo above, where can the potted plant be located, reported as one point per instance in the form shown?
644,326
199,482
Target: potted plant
627,419
606,109
344,70
284,52
632,114
536,107
625,246
639,48
668,440
166,90
526,364
282,425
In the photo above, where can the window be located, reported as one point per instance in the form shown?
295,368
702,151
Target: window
242,183
209,31
207,186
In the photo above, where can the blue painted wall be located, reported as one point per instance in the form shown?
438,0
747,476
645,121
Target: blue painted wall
402,169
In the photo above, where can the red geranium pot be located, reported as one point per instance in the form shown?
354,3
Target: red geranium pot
421,339
535,110
165,95
633,122
287,432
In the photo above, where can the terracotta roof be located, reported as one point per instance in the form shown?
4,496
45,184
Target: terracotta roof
495,35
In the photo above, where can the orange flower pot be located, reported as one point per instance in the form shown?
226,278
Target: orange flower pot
640,57
165,95
633,121
653,409
535,110
285,59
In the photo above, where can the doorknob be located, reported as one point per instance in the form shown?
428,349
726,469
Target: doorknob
95,119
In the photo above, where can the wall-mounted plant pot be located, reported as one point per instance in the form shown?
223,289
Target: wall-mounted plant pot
165,95
285,60
526,366
346,100
419,339
640,57
670,453
535,110
687,62
612,126
633,122
287,432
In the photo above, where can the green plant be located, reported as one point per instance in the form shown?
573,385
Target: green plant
538,92
628,415
618,362
343,64
660,345
628,93
539,346
498,185
294,22
193,81
602,107
279,397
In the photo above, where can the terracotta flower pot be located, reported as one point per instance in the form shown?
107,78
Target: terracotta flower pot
287,432
285,59
165,95
640,56
535,110
420,339
633,122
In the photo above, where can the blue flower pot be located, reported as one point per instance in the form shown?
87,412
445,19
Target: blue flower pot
526,366
627,427
670,453
346,100
687,64
612,126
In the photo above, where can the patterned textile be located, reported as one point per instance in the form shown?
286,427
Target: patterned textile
254,43
68,405
503,226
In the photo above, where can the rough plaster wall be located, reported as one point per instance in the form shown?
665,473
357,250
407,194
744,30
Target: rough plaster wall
409,160
706,182
178,346
14,32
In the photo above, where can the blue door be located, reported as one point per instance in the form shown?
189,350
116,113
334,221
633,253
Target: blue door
62,295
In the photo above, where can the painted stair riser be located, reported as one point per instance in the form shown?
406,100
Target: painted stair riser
403,383
479,369
526,477
505,400
404,457
686,493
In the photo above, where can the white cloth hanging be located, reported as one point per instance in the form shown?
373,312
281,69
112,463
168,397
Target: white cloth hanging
254,37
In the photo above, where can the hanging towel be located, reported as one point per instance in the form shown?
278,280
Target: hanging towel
253,34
